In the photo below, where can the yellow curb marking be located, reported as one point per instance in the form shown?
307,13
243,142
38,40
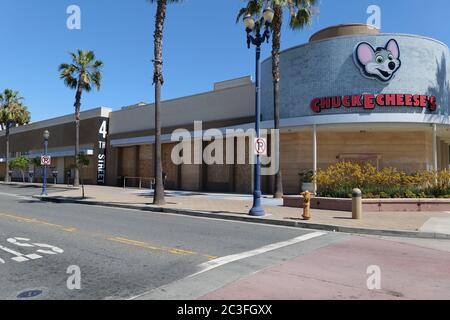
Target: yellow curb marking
109,238
38,222
152,247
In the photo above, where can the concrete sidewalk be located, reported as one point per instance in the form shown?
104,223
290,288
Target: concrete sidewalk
236,207
338,271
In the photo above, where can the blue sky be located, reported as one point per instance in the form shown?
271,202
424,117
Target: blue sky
203,45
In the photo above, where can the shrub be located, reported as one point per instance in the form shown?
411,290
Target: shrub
340,179
306,176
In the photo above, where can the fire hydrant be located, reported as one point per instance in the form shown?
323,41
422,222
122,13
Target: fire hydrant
306,205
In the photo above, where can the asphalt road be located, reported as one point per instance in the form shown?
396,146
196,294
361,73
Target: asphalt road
121,253
124,254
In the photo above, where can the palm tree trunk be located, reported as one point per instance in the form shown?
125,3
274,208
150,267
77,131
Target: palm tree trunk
76,180
276,40
7,179
158,82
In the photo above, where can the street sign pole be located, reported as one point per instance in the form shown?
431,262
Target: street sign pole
255,37
44,178
257,209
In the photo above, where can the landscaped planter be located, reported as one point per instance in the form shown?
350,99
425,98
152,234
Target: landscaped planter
371,205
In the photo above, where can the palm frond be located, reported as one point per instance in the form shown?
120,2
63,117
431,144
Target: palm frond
97,79
254,7
83,69
301,19
12,110
71,82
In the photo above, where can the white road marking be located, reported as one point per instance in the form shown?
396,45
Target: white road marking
15,195
54,250
22,242
19,257
16,242
207,266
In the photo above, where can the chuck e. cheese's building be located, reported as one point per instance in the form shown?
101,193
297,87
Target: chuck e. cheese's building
355,93
351,93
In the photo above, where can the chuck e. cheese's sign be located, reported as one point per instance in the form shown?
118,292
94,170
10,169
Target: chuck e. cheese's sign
372,101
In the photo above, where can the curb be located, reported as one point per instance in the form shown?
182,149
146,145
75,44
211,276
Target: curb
243,218
56,186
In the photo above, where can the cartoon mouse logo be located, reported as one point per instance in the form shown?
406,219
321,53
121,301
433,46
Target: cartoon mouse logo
380,63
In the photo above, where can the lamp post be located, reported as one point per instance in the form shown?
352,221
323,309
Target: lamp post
46,135
253,28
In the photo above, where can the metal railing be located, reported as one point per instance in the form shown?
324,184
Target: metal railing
140,179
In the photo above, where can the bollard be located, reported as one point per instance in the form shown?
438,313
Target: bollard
306,205
356,204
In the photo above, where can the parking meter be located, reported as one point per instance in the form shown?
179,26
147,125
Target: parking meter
68,175
164,179
55,176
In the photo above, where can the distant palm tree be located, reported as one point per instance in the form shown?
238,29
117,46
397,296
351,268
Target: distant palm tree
81,75
12,113
158,81
300,14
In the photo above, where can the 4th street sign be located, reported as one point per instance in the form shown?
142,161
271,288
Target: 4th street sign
101,151
46,161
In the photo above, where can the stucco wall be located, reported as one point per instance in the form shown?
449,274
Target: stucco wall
409,151
222,104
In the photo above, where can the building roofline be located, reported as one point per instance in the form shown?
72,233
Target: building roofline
342,25
88,114
148,105
359,35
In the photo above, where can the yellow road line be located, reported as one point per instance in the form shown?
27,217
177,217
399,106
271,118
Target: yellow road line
38,222
110,238
156,248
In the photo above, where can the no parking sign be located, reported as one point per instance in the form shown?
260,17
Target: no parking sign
260,147
46,161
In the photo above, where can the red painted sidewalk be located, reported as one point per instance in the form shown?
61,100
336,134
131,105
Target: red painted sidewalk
339,271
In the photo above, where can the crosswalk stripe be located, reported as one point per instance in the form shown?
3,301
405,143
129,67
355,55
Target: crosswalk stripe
207,266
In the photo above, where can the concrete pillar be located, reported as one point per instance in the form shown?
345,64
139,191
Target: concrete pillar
137,155
435,148
315,154
447,156
60,168
443,155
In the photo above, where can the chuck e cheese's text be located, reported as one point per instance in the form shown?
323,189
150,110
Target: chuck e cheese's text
372,101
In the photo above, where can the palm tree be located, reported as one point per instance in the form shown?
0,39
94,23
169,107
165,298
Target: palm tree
300,14
81,75
158,81
12,113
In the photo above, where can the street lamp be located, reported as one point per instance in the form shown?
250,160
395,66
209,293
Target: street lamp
253,28
46,135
